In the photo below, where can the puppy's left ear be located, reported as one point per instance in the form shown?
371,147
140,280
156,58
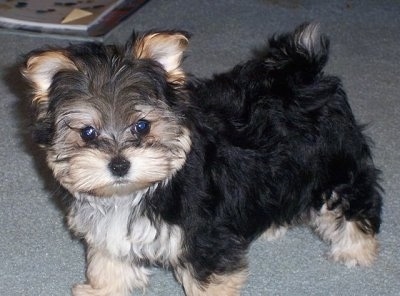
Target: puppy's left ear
166,48
39,69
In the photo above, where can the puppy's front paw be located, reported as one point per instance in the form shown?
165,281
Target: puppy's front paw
88,290
82,290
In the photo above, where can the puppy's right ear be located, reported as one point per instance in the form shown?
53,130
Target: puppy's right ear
39,69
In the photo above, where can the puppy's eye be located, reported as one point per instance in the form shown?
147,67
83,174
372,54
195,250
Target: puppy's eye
142,127
89,133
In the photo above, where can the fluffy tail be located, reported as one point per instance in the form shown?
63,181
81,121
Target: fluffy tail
298,56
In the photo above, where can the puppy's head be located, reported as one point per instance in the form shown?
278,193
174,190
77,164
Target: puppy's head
106,115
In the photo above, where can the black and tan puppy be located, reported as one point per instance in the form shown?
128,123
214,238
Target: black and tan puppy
170,171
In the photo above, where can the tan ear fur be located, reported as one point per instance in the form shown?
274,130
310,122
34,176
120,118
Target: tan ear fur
40,69
166,48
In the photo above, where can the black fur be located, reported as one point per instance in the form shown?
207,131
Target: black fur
271,137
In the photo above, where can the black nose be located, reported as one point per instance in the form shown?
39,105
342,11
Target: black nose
119,166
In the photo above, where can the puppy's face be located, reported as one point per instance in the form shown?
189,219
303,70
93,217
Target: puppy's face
105,116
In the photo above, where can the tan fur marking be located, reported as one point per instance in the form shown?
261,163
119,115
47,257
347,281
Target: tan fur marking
274,232
165,48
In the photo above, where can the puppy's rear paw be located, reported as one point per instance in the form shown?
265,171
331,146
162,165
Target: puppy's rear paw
352,239
354,248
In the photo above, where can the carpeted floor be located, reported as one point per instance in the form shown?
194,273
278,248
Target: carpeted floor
38,256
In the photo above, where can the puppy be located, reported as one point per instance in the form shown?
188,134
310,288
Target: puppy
171,171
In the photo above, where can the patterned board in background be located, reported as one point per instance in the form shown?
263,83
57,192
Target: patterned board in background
47,15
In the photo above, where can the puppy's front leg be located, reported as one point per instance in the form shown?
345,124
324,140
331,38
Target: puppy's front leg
109,276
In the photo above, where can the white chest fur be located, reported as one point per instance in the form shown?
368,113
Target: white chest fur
116,225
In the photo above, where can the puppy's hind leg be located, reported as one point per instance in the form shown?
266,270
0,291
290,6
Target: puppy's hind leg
349,220
217,285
